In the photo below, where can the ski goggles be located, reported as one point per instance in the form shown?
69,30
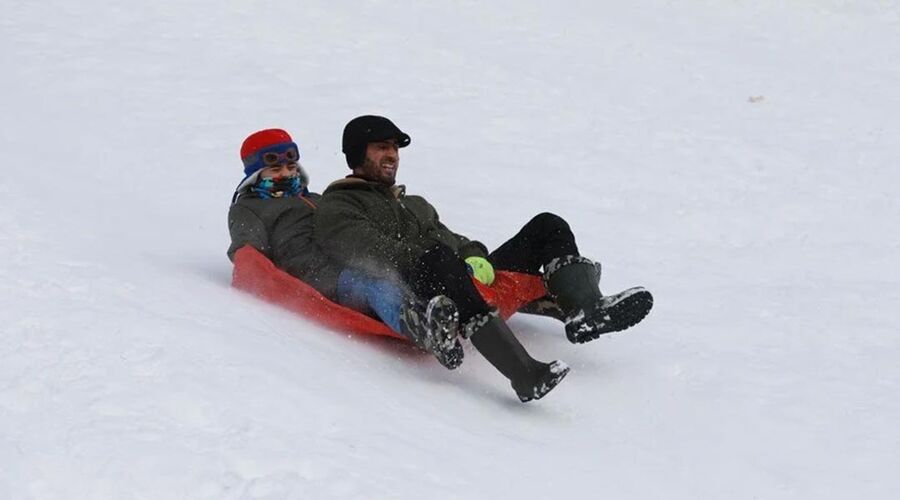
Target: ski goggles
272,158
279,154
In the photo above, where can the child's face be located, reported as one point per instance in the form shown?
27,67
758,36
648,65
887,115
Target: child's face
283,170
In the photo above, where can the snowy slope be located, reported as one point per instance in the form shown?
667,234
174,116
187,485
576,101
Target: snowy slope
740,159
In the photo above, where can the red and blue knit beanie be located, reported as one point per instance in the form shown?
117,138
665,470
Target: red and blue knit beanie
272,140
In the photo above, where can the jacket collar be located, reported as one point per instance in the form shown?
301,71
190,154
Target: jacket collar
352,182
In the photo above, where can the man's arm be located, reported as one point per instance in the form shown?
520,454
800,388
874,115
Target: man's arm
344,232
463,245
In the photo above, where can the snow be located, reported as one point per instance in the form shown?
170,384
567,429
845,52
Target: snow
739,159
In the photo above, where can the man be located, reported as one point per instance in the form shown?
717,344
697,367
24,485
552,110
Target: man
273,211
367,221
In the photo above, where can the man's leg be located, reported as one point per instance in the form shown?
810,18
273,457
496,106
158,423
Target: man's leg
542,239
573,297
379,297
432,325
440,271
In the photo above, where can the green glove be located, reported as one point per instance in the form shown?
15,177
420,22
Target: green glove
481,269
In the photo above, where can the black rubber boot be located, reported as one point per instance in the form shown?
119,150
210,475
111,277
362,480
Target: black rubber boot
531,379
547,306
434,327
572,282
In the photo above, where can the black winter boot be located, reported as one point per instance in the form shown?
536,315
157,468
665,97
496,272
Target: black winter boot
547,306
434,327
531,379
572,282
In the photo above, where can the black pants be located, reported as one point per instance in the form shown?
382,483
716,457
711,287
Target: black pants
544,238
442,272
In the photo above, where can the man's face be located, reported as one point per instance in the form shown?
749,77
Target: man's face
382,161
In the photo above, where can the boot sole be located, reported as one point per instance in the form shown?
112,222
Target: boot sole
626,313
442,325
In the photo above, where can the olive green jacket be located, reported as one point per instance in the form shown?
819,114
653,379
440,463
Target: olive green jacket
380,229
282,229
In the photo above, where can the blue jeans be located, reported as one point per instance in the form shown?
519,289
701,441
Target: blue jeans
367,295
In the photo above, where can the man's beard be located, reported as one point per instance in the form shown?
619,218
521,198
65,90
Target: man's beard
376,173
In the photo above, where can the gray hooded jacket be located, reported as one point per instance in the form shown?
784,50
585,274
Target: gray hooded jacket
282,230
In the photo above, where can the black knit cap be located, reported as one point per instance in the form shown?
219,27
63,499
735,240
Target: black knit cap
362,130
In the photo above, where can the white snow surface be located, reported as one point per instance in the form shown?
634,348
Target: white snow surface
740,159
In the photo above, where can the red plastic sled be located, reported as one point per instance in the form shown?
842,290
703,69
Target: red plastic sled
256,274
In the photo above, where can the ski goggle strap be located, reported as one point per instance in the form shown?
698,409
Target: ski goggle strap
278,154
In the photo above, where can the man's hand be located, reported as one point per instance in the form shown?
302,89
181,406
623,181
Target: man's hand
481,269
